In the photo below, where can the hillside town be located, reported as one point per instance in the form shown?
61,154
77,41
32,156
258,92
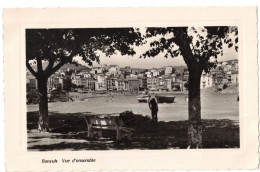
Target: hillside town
133,80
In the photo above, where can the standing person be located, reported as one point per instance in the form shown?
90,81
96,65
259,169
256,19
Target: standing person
154,108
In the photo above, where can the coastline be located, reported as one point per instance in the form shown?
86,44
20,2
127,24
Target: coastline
82,96
203,91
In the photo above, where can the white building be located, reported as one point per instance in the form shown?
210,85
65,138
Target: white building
120,85
96,70
152,83
148,74
62,73
224,63
100,82
87,75
168,70
168,83
75,79
112,71
228,67
173,77
234,77
140,75
133,76
206,81
155,72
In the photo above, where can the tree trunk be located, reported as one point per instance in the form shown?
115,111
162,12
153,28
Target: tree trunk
194,128
43,123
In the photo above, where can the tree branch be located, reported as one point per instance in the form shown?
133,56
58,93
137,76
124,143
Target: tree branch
59,65
31,69
39,65
50,65
184,42
50,69
54,69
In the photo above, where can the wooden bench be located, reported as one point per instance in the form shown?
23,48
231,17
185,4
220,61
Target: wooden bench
98,124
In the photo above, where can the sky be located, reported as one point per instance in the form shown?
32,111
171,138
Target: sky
157,61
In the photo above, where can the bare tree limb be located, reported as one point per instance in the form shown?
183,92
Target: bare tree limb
50,65
39,65
50,69
57,67
31,69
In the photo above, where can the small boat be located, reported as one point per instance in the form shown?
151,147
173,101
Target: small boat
142,98
165,98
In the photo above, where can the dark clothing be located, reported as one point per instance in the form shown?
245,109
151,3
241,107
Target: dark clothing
154,116
154,109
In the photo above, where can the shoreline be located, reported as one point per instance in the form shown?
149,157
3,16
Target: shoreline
82,96
90,95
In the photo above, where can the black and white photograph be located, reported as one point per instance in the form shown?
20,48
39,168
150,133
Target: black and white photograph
131,89
128,88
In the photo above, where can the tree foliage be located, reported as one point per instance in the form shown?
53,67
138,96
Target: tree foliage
197,45
59,46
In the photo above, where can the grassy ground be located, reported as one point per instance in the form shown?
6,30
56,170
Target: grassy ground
68,132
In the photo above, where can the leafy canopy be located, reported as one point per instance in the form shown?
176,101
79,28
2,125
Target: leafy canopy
197,45
59,46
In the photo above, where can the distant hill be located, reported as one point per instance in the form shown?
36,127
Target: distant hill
229,61
180,68
64,67
78,68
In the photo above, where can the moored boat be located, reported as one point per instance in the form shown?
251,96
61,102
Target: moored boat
165,98
142,98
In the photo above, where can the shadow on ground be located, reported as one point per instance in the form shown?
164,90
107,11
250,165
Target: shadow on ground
68,132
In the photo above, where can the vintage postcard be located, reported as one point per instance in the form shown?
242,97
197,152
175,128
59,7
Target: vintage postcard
131,88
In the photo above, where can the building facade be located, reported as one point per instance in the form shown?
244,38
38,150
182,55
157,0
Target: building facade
234,77
111,84
31,83
206,81
152,83
88,83
133,85
120,85
168,70
100,83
